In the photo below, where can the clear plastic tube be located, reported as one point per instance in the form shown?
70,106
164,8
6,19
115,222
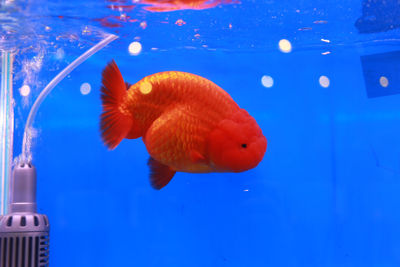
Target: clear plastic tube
26,142
6,127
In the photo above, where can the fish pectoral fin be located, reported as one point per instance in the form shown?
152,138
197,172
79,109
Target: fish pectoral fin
196,156
160,174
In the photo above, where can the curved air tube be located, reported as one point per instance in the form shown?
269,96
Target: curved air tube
26,142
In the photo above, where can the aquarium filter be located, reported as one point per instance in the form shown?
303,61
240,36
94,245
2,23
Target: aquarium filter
24,234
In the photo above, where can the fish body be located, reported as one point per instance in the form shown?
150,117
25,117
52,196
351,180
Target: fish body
188,124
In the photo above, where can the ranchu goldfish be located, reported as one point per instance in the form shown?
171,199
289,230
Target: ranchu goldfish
188,124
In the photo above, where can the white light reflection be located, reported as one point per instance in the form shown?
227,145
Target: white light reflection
285,46
25,90
145,88
85,88
384,81
135,48
324,81
267,81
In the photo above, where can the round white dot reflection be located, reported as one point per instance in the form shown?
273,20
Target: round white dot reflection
85,88
145,88
25,90
384,81
324,81
135,48
267,81
285,46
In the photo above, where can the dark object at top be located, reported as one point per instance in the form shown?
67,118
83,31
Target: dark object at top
379,16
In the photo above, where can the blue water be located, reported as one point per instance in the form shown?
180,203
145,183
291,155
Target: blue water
327,191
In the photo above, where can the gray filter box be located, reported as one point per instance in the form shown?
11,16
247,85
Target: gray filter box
24,234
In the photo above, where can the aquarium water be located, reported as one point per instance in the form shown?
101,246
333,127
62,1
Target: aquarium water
321,78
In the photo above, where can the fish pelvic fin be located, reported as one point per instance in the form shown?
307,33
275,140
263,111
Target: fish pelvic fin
160,174
114,125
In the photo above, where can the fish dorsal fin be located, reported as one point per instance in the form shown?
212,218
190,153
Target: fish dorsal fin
128,85
160,174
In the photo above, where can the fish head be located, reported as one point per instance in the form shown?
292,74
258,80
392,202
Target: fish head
236,144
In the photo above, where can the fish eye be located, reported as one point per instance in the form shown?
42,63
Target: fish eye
244,145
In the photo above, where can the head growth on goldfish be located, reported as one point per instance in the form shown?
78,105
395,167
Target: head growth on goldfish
188,124
236,144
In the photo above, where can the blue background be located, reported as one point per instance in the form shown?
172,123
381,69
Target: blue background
326,193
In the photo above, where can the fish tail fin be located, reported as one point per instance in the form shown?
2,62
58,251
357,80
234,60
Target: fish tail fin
114,125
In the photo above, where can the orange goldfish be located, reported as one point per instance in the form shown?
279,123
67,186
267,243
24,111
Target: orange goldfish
188,124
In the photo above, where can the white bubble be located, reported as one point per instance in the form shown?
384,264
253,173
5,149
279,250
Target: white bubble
85,88
324,81
135,48
384,81
267,81
285,46
60,53
25,90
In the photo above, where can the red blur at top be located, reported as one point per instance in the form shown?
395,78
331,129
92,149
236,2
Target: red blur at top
171,5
